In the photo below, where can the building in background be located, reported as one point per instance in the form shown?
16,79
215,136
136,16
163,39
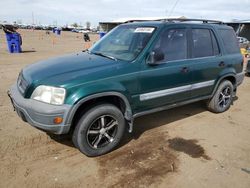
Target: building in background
107,26
241,27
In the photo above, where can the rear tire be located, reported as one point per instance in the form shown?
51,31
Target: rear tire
99,130
222,98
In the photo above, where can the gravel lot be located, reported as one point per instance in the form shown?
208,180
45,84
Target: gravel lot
182,147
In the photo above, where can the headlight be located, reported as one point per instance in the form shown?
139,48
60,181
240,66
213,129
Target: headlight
48,94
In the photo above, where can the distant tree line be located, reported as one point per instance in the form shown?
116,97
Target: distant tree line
87,24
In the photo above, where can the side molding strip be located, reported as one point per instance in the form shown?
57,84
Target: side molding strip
202,84
171,91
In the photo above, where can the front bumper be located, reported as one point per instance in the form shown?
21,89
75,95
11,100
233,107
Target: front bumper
39,114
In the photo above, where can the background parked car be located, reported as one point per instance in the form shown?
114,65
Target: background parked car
248,51
75,30
84,31
243,51
244,43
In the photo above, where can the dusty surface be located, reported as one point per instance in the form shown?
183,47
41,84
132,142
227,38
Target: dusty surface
189,147
183,147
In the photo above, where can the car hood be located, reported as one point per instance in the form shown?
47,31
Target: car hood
57,71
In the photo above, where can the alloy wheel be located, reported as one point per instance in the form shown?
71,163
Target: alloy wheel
225,97
102,131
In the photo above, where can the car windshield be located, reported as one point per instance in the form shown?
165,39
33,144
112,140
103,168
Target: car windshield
125,42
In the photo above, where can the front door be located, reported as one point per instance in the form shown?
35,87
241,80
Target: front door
168,81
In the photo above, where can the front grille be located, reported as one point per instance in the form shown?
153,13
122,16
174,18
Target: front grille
22,84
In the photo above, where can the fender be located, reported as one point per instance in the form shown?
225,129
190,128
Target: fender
220,79
128,112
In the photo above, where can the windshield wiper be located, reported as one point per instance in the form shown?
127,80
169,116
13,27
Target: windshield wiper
104,55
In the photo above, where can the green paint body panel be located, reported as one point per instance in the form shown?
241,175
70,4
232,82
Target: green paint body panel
85,74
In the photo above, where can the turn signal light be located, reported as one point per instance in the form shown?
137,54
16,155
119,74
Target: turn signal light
58,120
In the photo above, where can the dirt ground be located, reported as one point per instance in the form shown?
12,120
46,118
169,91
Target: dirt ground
182,147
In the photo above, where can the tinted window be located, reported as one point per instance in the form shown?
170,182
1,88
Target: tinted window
229,40
173,44
202,43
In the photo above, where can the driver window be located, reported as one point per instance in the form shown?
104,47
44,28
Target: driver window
172,44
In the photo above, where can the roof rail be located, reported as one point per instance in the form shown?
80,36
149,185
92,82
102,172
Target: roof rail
130,21
191,20
180,20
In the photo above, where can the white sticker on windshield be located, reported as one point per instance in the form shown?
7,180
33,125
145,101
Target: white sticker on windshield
144,30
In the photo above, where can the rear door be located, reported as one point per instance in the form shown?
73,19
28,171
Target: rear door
206,61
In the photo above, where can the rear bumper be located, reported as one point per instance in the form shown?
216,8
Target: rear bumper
39,114
240,78
248,67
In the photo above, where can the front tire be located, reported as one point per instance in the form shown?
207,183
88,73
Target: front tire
99,130
222,98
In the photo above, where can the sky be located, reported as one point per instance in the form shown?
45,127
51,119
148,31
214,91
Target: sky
62,12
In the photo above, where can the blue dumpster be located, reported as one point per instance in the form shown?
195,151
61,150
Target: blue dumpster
102,34
58,32
14,42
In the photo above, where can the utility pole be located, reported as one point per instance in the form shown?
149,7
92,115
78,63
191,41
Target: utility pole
33,18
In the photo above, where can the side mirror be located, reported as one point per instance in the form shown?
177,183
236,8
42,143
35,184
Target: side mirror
155,57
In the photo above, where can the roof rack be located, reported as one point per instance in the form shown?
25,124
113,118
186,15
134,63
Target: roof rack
179,20
191,20
130,21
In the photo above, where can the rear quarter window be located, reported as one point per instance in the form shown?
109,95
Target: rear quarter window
229,41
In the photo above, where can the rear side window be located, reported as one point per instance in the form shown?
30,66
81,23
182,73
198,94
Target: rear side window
230,41
204,43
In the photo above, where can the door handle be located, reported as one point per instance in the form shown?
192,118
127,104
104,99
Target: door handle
221,64
184,70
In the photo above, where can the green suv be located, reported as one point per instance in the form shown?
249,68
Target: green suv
136,69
